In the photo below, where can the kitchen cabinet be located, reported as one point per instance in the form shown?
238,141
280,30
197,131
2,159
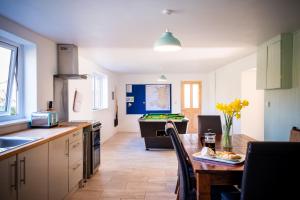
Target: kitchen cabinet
49,171
33,173
65,164
8,180
262,62
274,63
75,158
58,168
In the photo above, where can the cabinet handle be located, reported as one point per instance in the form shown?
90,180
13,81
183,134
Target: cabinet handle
75,134
74,168
67,148
75,145
14,175
23,180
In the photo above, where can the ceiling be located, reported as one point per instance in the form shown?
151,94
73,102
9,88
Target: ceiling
119,35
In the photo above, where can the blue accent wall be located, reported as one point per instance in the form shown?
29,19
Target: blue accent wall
284,110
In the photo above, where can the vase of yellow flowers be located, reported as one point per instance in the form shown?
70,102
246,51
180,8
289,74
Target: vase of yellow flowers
230,111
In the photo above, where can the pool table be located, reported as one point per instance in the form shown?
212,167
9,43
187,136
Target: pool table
152,127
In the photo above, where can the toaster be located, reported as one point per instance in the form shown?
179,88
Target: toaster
44,119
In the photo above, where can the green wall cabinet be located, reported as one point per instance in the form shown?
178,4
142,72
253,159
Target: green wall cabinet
274,63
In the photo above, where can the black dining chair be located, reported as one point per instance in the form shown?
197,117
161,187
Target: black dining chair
187,181
272,171
206,122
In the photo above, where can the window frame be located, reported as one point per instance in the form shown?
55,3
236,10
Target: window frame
16,63
103,84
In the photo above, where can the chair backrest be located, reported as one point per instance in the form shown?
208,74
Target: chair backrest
206,122
295,135
187,183
272,170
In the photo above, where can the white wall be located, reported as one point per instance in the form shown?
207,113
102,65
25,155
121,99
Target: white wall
221,85
45,61
129,123
252,120
41,65
225,84
105,116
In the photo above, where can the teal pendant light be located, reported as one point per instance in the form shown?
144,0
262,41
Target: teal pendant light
162,78
167,42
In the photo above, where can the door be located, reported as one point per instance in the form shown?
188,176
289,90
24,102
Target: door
8,180
58,168
191,103
33,173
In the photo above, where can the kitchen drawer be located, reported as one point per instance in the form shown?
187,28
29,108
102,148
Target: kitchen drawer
75,151
75,174
76,135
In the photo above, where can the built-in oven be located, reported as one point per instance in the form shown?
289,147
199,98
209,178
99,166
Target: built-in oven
92,149
96,144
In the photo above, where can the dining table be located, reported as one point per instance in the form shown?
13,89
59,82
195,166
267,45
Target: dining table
210,173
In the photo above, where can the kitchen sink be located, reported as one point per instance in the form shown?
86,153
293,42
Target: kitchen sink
10,142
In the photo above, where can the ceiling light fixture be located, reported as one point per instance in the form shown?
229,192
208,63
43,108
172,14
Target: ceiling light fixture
167,42
162,78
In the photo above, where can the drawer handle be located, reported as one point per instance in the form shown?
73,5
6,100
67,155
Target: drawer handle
67,147
23,180
76,145
74,168
14,175
75,134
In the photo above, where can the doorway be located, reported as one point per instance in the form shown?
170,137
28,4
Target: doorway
254,114
191,92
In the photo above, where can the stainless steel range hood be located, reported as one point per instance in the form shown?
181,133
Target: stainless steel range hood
67,62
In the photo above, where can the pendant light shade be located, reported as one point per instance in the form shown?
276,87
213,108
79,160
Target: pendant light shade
162,78
167,42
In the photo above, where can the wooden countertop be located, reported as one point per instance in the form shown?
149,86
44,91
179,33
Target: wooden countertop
46,135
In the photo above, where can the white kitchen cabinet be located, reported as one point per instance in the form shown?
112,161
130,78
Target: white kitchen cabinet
75,159
58,168
262,62
8,178
48,171
274,63
33,173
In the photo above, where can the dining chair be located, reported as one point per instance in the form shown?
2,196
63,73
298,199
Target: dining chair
271,171
206,122
295,135
187,180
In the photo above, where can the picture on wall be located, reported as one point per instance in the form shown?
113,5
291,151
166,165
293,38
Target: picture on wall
158,97
148,98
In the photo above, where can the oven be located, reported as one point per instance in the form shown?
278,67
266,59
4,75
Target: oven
96,144
92,145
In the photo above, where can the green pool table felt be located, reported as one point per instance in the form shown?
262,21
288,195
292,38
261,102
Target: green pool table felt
163,117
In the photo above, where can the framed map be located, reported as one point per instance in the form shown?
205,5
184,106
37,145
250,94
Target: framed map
148,98
158,97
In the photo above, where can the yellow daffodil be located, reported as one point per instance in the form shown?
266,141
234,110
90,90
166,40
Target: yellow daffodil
230,110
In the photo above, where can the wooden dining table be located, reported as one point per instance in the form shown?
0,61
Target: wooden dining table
212,173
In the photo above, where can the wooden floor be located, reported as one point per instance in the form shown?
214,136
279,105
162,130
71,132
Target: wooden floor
128,171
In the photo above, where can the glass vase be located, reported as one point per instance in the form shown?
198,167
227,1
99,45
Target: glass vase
226,138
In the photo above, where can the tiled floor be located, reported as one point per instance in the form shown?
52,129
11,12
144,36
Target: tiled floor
128,171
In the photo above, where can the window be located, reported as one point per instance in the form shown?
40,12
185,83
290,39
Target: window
99,92
10,78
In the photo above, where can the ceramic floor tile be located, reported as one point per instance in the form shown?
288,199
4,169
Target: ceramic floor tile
129,172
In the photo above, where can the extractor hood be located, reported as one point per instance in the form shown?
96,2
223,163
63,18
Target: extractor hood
67,62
